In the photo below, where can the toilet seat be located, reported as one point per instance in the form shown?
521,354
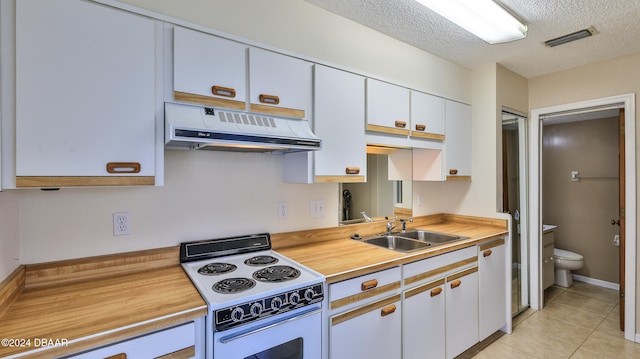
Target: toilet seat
566,255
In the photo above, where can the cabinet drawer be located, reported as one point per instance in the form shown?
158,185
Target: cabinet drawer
438,267
179,341
369,331
367,286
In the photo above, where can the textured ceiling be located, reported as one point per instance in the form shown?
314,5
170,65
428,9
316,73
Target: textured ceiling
615,20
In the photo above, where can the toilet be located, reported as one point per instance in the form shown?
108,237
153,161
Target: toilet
564,262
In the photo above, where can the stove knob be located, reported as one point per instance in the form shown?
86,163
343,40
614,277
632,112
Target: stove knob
256,309
237,314
276,303
309,294
294,298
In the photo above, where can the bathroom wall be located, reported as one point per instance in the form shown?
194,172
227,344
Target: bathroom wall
583,210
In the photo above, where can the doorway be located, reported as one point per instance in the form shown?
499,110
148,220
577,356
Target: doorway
627,103
514,202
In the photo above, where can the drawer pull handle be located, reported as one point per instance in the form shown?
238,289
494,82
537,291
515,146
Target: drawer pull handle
118,356
387,310
436,291
401,124
269,99
486,253
123,167
453,171
370,284
352,170
456,283
223,91
420,127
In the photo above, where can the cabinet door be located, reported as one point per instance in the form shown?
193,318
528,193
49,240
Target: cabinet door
548,264
387,108
179,341
209,70
458,141
372,331
492,287
279,84
85,85
427,116
424,321
461,295
339,122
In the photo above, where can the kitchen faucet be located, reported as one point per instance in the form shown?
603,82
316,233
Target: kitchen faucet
366,218
390,225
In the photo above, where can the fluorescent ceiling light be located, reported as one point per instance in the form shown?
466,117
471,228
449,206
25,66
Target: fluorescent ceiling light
483,18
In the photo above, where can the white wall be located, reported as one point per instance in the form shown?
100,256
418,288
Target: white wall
212,194
9,239
607,78
312,32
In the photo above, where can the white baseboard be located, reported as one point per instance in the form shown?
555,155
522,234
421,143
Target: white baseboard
598,282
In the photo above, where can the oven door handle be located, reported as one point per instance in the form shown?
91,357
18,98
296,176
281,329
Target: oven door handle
260,329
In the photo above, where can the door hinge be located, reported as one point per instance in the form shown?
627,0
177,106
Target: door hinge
621,212
622,294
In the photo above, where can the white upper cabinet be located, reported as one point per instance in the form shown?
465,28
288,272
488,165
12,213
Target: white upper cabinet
339,122
387,108
85,95
209,70
427,116
279,84
458,141
213,71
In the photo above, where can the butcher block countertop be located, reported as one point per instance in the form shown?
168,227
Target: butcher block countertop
332,252
86,303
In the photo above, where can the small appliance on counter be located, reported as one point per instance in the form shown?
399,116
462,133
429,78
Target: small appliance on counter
260,303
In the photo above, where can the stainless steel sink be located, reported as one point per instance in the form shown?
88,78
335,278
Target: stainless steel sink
430,237
409,241
396,243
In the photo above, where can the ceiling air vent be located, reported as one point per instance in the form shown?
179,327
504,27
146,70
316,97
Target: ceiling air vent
590,31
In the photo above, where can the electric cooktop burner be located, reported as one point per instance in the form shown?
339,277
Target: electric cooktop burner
261,260
233,285
217,268
276,274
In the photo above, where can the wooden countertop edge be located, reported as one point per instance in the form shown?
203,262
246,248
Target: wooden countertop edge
117,335
11,287
411,257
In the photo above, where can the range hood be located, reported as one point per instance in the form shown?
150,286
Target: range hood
207,128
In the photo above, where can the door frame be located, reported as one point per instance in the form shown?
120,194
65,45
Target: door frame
627,101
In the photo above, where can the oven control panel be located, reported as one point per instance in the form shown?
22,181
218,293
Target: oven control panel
250,311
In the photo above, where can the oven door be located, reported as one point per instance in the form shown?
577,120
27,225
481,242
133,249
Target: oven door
296,335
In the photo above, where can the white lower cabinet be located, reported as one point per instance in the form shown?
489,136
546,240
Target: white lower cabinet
365,319
370,331
461,295
445,305
492,287
438,319
177,342
424,321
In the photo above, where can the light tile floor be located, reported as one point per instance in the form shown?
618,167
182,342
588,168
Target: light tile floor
581,322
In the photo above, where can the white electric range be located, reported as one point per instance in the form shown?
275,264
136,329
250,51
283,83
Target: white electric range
261,304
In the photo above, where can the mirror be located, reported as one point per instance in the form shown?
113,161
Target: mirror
387,193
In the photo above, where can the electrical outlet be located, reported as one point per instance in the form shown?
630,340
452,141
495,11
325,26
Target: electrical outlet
283,210
317,208
121,224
